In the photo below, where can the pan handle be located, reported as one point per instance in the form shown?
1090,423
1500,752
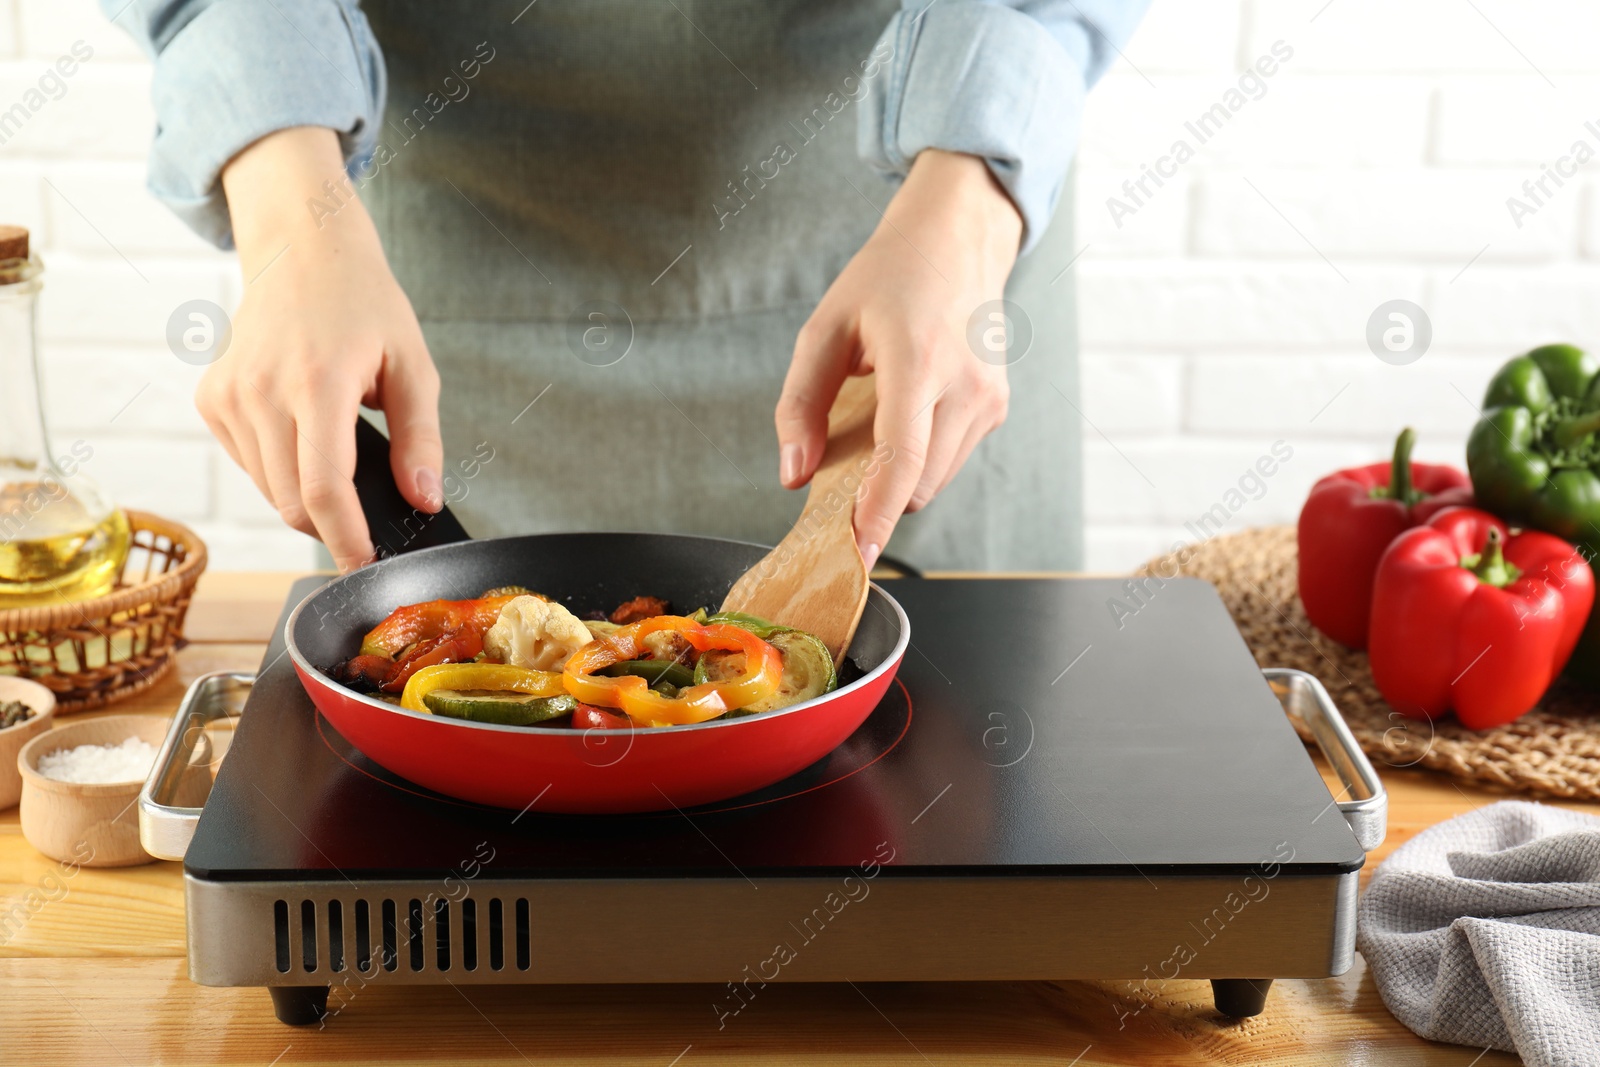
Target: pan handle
1304,698
165,829
394,524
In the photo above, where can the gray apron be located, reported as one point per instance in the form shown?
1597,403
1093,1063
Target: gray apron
611,233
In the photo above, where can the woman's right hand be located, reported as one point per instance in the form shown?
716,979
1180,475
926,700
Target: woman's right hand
322,329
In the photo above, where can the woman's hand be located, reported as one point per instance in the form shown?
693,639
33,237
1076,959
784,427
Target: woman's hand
900,308
323,328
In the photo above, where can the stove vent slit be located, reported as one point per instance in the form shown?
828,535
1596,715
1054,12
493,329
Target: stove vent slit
497,937
363,937
280,933
414,933
523,949
391,940
335,935
308,934
469,934
441,931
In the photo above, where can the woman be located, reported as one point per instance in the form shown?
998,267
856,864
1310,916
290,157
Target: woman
623,235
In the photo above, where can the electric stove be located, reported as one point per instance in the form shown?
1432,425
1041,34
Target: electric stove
1073,778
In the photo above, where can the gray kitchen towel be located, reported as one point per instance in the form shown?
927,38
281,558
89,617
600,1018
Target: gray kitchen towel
1485,930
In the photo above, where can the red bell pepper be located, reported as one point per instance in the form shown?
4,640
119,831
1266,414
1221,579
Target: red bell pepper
1467,616
1349,519
424,622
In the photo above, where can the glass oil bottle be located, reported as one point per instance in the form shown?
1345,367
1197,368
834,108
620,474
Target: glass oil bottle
60,538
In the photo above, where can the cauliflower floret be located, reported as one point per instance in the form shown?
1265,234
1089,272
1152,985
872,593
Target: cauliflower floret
536,633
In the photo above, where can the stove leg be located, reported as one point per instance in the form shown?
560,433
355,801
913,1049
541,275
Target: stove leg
299,1005
1240,998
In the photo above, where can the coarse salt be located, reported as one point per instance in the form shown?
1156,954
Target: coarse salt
100,764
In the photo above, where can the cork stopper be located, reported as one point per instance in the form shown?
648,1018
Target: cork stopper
13,242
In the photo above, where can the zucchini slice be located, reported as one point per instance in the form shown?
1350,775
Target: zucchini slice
501,708
807,670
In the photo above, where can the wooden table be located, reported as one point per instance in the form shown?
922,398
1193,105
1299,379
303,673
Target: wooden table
98,976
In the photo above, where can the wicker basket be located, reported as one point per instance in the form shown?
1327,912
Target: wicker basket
92,652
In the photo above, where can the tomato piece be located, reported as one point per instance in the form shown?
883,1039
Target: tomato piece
589,717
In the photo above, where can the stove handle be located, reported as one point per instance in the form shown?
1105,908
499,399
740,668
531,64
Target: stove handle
166,829
1304,697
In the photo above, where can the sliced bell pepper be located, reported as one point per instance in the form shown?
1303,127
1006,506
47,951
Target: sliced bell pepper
1467,616
1349,519
697,703
423,622
488,676
1535,458
453,647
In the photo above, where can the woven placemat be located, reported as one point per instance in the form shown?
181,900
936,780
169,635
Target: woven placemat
1553,750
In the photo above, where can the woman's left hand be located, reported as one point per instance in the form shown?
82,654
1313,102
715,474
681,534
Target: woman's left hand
900,308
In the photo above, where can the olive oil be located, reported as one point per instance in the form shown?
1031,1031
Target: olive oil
60,538
60,552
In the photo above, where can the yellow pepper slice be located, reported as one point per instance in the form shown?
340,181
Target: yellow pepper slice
499,677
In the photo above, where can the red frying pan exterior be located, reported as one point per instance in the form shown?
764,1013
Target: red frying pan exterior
578,771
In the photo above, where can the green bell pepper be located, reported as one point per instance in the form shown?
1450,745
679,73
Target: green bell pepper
1534,457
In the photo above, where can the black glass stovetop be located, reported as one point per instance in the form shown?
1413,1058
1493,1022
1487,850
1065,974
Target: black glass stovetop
1032,728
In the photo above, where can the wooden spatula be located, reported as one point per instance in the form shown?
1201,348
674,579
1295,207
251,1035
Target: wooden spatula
815,579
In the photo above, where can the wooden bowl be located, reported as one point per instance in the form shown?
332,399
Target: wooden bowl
94,824
43,703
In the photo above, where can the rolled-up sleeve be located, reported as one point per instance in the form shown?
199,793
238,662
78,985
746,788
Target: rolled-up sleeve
1001,79
228,72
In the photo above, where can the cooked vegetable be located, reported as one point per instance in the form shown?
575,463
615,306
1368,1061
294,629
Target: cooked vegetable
756,625
456,647
1535,458
589,717
513,657
366,673
497,677
638,609
807,670
653,671
424,622
535,633
504,709
698,703
1467,616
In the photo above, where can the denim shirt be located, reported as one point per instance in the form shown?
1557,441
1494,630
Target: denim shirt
1000,79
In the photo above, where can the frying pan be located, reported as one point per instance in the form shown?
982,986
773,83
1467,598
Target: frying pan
428,557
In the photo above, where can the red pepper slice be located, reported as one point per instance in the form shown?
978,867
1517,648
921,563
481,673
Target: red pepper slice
1466,616
763,671
423,622
458,647
1348,520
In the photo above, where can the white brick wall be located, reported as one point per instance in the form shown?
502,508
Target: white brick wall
1390,141
1227,313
